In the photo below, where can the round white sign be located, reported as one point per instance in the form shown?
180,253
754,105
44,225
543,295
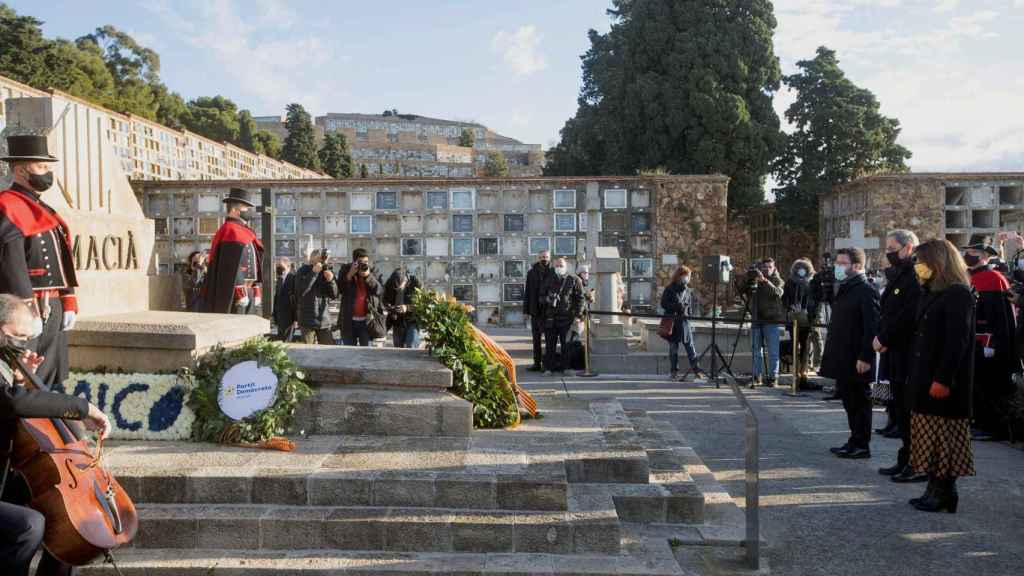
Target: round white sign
246,388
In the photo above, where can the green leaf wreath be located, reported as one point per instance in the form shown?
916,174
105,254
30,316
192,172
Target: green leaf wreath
212,425
475,377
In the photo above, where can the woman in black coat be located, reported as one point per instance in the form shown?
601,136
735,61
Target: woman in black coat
398,293
677,300
939,375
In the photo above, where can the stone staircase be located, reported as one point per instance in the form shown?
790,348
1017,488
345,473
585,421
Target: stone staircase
587,489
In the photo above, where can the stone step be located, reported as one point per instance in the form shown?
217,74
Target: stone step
341,366
334,487
393,529
166,562
385,412
669,501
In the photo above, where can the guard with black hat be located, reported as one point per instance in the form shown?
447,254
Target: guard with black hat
995,358
36,262
234,272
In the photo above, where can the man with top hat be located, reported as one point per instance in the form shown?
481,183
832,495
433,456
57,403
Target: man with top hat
995,358
234,268
36,264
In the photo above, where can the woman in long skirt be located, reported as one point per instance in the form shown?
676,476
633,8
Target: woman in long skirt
940,376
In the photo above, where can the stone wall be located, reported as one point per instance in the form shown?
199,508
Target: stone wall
473,238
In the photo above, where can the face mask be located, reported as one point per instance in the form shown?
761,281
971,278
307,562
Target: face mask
893,257
924,273
685,280
13,343
545,263
561,271
40,182
246,216
971,260
1020,264
840,272
801,272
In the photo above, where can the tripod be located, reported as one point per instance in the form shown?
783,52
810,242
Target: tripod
714,374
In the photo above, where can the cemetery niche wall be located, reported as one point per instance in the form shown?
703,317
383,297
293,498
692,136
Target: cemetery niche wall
473,239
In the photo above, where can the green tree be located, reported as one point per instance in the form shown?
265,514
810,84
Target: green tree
171,109
247,131
267,143
467,138
23,47
839,135
300,145
496,165
335,157
135,69
214,117
364,172
681,85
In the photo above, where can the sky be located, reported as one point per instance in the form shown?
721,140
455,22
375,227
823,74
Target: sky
950,70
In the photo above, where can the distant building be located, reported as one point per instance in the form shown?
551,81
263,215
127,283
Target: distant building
961,207
152,151
417,146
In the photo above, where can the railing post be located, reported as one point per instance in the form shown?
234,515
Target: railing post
752,451
586,351
796,359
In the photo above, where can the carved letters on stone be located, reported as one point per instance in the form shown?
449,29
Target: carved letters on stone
108,252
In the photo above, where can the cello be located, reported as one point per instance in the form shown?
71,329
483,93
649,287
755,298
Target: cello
87,512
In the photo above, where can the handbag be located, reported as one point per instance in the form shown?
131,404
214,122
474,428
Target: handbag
881,391
666,327
375,323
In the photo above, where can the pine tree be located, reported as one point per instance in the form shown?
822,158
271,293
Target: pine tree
681,85
496,165
364,172
467,139
840,135
300,145
335,157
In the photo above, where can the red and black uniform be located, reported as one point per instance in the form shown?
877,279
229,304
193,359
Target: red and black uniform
234,271
996,330
36,264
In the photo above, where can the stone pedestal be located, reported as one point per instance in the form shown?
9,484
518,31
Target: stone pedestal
155,341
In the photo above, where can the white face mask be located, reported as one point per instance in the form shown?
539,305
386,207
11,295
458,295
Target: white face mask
801,272
685,279
37,327
840,272
561,270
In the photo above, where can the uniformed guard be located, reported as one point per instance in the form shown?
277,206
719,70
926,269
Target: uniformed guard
234,269
36,263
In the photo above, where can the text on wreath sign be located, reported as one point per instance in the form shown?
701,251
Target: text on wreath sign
109,252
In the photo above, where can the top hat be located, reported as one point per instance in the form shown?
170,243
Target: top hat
28,147
240,196
983,247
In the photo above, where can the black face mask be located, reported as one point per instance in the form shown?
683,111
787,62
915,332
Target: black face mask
16,345
971,260
894,257
247,216
40,182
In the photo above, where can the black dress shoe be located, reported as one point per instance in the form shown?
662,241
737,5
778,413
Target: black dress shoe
909,475
892,470
840,449
894,433
855,454
887,429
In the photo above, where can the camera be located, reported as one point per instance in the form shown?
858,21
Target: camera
363,266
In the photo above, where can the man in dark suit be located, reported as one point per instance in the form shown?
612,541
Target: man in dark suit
895,338
539,276
22,528
849,355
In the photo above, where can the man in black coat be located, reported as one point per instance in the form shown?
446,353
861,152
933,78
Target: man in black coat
537,278
284,300
895,338
22,528
563,298
314,289
849,355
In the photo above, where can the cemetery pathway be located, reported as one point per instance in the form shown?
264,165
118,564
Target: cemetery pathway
822,515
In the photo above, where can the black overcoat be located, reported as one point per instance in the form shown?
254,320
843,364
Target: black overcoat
896,324
943,351
677,300
347,293
851,331
536,280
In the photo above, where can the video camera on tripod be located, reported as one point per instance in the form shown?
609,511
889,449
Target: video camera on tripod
825,281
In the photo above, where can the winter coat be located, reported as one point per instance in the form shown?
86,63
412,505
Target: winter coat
567,294
797,299
677,300
347,293
851,331
312,295
942,352
395,297
767,299
536,279
896,324
284,302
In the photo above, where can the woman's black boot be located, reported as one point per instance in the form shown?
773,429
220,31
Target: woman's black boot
927,492
944,497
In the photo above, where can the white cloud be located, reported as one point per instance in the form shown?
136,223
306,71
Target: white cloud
519,49
943,6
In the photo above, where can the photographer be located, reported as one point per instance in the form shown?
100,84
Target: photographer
563,298
849,354
765,287
398,293
360,292
314,288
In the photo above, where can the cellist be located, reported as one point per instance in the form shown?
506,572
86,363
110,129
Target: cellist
22,528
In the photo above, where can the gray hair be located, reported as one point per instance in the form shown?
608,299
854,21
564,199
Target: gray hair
10,305
903,237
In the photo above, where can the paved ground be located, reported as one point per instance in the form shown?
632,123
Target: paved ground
822,515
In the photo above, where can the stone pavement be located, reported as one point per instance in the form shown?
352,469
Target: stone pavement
821,515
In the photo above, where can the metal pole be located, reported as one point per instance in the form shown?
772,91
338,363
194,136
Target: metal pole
266,210
714,332
752,448
796,359
586,352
